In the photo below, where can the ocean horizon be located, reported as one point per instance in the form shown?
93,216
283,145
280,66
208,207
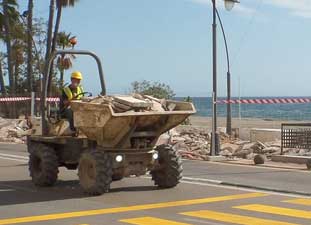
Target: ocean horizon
297,111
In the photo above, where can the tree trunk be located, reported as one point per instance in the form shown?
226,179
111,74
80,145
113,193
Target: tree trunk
49,39
2,84
29,46
57,23
56,29
3,90
61,78
8,46
17,76
7,38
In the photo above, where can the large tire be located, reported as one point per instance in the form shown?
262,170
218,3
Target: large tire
43,165
117,177
95,172
308,164
170,169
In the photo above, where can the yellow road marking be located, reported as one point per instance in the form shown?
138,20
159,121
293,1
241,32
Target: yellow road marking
128,208
151,221
300,201
232,218
276,210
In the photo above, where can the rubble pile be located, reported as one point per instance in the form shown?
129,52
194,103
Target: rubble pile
194,143
13,130
134,103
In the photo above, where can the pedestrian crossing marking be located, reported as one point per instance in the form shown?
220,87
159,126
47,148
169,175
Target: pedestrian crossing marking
105,211
300,201
151,221
233,218
276,210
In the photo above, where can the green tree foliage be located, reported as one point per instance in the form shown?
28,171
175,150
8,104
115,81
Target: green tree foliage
26,40
27,44
64,62
8,20
155,89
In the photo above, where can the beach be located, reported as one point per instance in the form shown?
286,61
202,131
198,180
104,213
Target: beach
243,123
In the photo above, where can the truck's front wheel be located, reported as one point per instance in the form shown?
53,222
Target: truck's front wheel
95,172
43,165
170,169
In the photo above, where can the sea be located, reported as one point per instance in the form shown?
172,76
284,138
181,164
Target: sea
297,112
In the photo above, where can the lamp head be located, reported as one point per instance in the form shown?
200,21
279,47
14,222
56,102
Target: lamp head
229,4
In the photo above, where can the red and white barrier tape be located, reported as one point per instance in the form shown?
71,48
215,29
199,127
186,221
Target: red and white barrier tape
51,99
235,101
14,99
267,101
20,99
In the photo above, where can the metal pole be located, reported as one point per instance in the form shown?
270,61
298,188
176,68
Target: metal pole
240,115
32,104
214,144
213,136
229,116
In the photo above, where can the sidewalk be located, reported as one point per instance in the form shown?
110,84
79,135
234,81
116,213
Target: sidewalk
271,179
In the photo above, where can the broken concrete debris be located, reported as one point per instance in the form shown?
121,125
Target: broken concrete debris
194,143
13,130
134,103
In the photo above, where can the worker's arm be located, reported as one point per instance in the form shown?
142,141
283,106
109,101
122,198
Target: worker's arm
66,103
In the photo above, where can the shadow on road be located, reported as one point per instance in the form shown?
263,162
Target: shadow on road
23,191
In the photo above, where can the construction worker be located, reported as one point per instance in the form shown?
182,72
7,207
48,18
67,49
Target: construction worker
73,91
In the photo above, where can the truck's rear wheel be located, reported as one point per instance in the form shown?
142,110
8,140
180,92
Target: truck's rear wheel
95,172
43,165
170,169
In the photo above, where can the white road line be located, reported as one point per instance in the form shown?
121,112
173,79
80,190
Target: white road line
6,190
266,167
14,159
202,180
233,187
14,156
242,189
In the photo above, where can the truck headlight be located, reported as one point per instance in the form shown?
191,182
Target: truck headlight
119,158
155,156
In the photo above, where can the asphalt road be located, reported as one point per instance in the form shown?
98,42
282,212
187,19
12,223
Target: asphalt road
199,199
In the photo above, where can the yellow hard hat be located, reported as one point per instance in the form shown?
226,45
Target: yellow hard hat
76,75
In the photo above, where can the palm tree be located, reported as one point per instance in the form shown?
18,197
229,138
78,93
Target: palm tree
8,17
64,62
49,38
60,4
52,43
29,45
2,84
50,30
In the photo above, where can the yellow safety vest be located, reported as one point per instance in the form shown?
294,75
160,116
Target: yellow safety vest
70,95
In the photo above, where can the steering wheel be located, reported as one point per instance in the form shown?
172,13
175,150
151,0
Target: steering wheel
87,94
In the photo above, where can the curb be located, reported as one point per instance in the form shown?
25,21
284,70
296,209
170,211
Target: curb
267,166
223,183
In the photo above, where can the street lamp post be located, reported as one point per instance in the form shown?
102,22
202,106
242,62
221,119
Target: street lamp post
229,4
229,117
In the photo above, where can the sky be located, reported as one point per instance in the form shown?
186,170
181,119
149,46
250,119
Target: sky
170,41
